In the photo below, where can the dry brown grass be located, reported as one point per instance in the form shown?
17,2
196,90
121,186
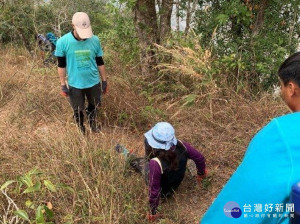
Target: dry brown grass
36,130
185,61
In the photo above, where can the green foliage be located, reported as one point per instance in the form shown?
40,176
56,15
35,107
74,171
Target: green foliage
22,214
49,185
247,54
122,118
149,112
21,20
113,21
30,184
128,3
6,184
17,22
189,100
120,37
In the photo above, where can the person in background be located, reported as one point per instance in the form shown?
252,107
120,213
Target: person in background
47,44
80,56
166,164
259,190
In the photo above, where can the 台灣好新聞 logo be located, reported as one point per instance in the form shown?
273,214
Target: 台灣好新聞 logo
232,210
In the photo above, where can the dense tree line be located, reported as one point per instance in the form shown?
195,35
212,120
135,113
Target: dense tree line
247,38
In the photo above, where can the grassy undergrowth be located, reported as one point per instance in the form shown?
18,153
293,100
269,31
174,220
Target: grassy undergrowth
89,181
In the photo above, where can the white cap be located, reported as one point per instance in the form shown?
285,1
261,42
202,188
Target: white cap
82,25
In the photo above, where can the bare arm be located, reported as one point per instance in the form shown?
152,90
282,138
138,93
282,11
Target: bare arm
102,72
62,75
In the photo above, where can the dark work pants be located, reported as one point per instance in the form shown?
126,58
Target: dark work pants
77,101
139,164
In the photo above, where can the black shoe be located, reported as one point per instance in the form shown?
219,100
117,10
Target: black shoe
91,115
82,129
137,164
94,127
79,119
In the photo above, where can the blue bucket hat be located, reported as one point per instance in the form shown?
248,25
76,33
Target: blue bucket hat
161,136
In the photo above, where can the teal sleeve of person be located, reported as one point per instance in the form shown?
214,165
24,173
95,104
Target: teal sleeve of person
261,185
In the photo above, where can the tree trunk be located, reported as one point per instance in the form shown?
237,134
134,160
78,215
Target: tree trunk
188,17
145,22
165,20
260,17
158,4
178,15
191,8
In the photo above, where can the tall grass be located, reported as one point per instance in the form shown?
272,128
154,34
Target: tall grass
37,131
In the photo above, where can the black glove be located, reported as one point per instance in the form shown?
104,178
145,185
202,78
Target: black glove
64,90
104,87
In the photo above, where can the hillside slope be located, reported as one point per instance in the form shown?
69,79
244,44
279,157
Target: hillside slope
37,131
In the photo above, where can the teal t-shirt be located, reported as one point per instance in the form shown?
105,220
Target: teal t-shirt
82,69
261,185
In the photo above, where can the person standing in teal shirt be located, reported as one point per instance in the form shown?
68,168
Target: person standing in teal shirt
259,190
80,57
